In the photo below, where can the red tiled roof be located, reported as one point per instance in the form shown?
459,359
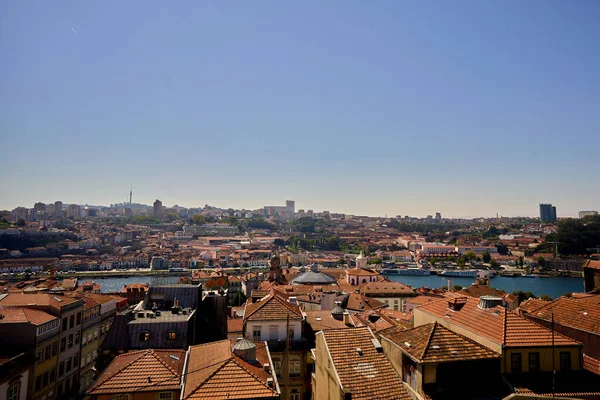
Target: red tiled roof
145,370
368,374
433,343
582,313
497,324
270,308
593,264
23,314
215,372
386,288
37,299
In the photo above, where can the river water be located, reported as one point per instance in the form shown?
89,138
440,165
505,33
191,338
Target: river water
552,286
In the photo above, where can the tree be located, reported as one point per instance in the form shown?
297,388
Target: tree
502,249
457,288
470,255
494,264
238,299
21,222
278,242
541,262
172,217
486,257
522,296
545,297
460,262
567,294
342,261
198,219
521,261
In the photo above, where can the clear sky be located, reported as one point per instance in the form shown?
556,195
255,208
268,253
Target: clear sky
469,108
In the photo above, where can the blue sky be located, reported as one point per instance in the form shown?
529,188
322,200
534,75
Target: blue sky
392,107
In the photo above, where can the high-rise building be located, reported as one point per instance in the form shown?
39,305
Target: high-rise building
291,206
547,213
438,215
58,205
157,208
587,213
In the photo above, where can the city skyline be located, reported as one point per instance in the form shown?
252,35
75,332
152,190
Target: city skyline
468,109
244,206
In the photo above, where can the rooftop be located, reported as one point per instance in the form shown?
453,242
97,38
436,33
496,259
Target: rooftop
362,369
215,372
146,370
433,343
272,308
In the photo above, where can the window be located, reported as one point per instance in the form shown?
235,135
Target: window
292,331
63,344
59,389
70,342
46,379
61,368
277,367
515,362
48,351
77,338
101,330
273,332
13,391
96,333
88,359
71,321
294,368
38,383
69,363
40,356
565,361
165,396
83,339
64,324
534,362
54,348
76,360
294,394
78,318
144,336
256,334
171,335
52,374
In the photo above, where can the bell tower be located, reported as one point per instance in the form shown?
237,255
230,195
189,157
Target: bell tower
275,270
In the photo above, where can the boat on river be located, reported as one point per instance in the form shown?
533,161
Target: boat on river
407,271
463,273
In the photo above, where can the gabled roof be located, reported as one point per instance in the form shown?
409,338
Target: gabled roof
495,323
433,343
593,264
582,313
215,372
359,302
141,371
272,308
531,304
24,315
386,288
38,299
361,272
368,374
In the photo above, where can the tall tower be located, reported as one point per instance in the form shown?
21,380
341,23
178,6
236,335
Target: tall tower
130,194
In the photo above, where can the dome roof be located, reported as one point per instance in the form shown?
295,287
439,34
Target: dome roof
244,345
337,310
313,277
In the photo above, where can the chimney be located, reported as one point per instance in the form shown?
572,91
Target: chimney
457,303
449,284
347,320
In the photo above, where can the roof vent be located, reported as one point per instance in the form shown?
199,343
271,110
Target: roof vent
245,349
435,346
486,302
267,367
270,382
359,351
407,344
174,357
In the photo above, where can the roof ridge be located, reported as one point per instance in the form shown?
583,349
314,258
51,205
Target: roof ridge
163,362
504,327
433,328
220,367
233,359
97,384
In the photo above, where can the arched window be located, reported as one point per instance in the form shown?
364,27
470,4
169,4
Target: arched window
364,280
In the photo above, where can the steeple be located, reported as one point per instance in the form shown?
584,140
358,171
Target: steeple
130,194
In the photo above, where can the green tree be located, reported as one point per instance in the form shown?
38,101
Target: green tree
457,288
541,262
470,255
567,294
342,261
172,217
21,222
486,257
460,262
494,264
545,297
198,219
522,296
238,299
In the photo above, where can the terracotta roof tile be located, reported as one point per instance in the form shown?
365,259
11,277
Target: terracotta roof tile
272,308
368,375
322,319
386,288
146,370
581,313
23,315
39,299
433,343
497,324
215,372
